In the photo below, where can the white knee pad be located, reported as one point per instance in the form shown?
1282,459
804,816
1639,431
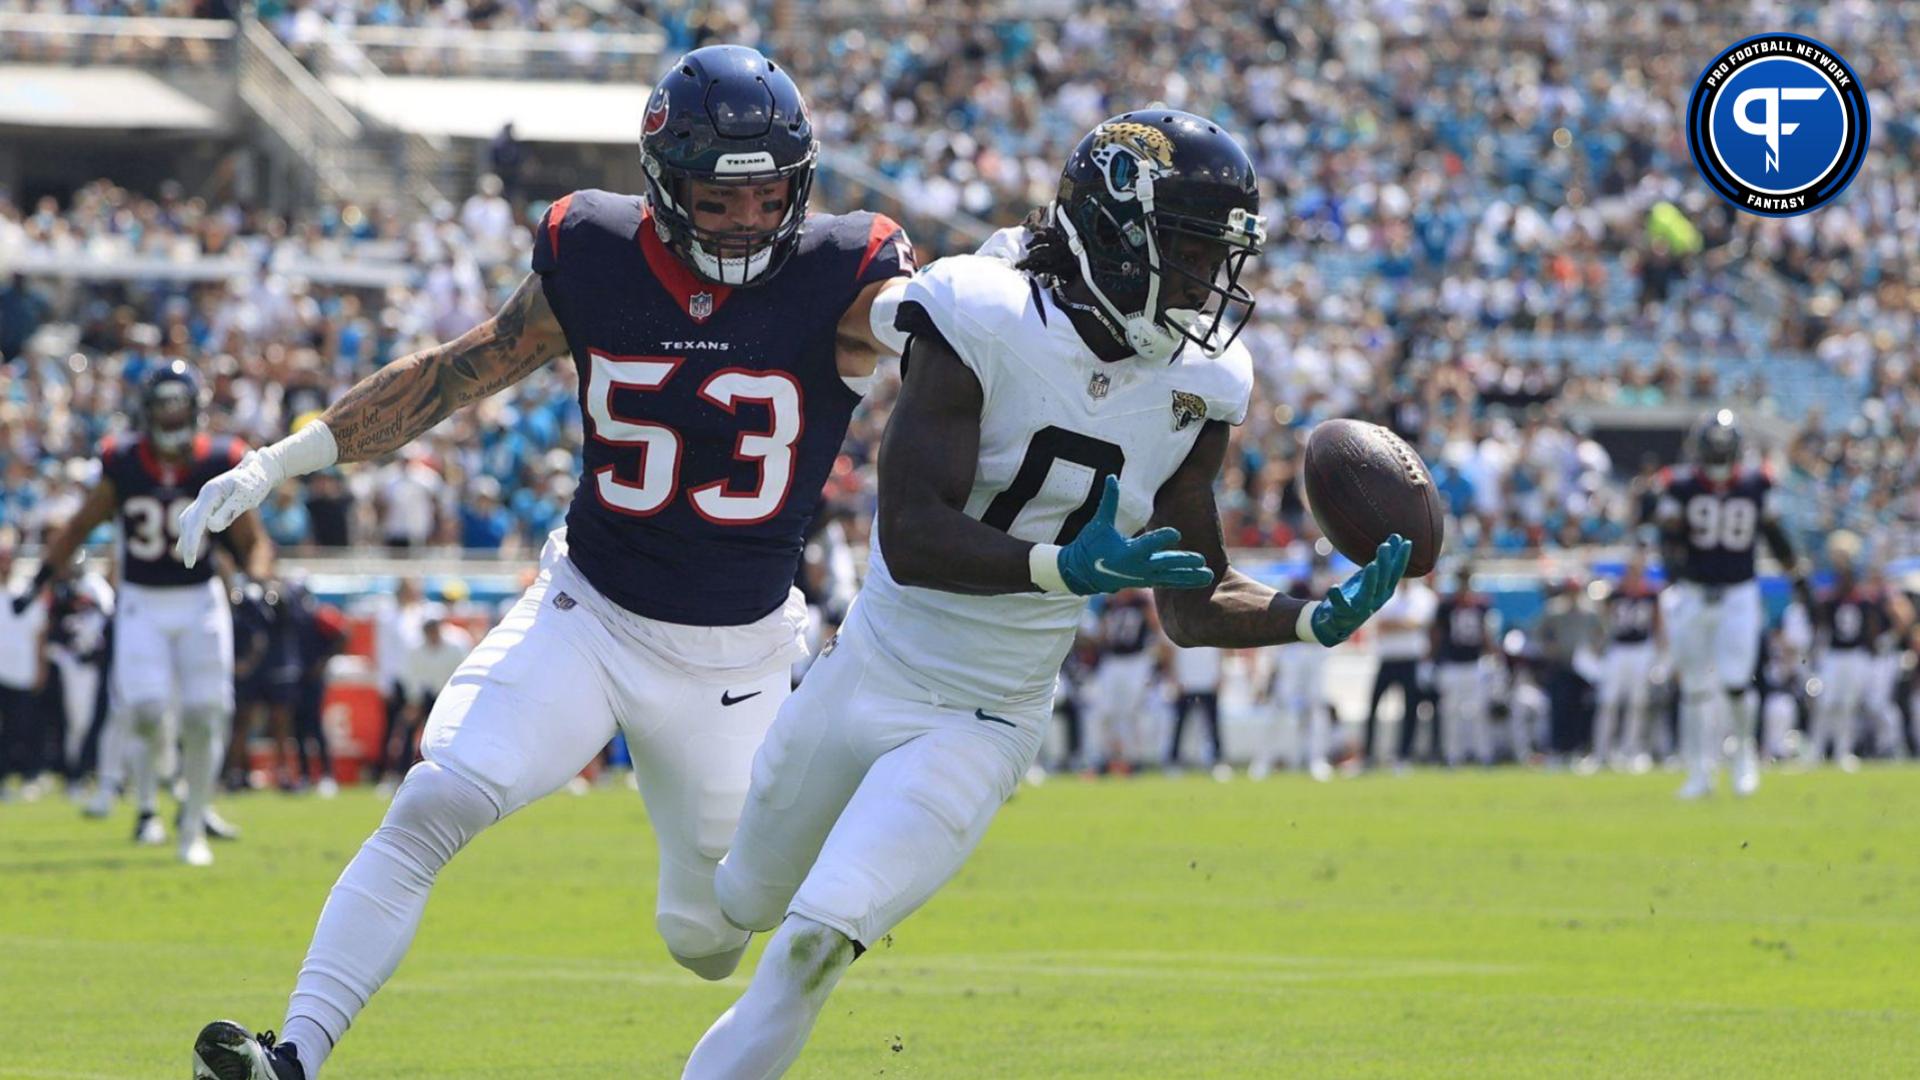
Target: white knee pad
701,941
434,814
745,904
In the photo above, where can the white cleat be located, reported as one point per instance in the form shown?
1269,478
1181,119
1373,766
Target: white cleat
1320,771
1849,763
196,852
1698,786
327,788
1746,775
1222,773
101,804
149,830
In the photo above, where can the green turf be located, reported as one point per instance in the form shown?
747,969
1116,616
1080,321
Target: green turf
1474,925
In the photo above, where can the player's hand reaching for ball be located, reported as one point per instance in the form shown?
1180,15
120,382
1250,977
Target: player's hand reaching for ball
247,485
1349,606
1100,560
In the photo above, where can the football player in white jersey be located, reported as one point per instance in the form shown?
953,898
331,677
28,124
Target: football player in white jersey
1051,409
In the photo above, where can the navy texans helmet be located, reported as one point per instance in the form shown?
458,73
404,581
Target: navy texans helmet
170,405
1714,443
725,114
1140,188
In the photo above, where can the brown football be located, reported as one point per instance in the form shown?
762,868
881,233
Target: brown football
1365,483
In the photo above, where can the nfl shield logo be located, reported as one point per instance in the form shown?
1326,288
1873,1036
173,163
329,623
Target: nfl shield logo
700,305
1097,386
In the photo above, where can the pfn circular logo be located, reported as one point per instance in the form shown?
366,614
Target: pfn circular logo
1778,125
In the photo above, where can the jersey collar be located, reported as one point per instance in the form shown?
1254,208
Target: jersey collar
698,298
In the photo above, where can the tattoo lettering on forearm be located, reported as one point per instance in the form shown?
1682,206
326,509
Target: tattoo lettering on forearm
409,396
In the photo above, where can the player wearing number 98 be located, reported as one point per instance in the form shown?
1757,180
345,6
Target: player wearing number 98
722,339
173,632
1056,401
1712,513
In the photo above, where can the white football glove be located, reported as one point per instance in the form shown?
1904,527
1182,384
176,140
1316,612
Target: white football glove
234,492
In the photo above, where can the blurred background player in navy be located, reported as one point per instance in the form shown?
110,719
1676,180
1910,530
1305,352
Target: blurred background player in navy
272,664
172,628
722,339
1464,627
1712,513
79,623
23,677
1634,639
322,633
1123,717
1847,619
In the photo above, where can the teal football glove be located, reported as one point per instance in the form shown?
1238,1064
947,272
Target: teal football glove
1348,607
1100,560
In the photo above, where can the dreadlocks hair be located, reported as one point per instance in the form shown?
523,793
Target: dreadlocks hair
1048,254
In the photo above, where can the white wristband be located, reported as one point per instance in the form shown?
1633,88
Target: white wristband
1043,568
308,450
1303,626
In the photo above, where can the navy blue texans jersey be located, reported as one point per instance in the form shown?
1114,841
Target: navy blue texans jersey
713,414
1717,522
1851,620
1123,624
151,491
1630,615
1462,621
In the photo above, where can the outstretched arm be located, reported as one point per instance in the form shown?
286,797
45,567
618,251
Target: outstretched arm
405,399
1238,612
386,410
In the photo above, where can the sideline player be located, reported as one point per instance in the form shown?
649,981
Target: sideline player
1464,629
1634,640
723,339
1847,620
172,628
1049,411
1712,512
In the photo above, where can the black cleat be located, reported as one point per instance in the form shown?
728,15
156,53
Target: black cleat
224,1051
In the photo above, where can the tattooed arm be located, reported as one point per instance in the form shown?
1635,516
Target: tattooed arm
394,405
386,410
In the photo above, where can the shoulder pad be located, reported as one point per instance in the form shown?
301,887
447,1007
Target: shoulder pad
1225,381
970,301
576,223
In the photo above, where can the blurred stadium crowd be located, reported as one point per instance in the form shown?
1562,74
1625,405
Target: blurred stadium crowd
1481,239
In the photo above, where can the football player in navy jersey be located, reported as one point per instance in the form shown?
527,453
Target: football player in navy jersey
1712,513
172,629
722,338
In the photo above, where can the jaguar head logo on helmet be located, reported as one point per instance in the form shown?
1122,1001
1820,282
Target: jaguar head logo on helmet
729,155
1161,211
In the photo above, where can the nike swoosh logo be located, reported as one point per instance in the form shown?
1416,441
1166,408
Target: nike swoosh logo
727,698
982,714
1101,565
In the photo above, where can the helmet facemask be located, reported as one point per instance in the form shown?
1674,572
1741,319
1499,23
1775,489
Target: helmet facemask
724,257
172,416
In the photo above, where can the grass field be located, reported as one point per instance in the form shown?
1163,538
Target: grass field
1506,924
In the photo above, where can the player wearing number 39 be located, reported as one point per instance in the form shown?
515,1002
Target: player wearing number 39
173,632
1712,513
1055,401
722,338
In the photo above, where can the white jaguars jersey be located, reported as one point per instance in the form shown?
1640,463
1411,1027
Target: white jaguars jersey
1056,420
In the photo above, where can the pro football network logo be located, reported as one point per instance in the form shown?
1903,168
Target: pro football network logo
1778,125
